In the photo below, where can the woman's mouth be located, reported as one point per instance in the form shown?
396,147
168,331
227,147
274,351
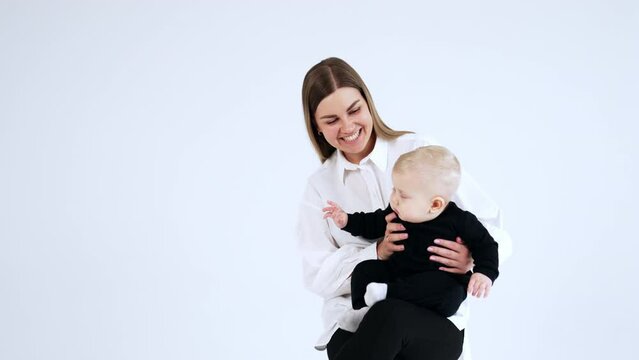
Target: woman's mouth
353,137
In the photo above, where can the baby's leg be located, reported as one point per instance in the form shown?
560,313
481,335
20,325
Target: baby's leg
435,290
364,273
396,329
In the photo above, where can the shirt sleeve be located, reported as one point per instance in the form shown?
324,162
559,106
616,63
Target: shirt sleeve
368,225
481,245
472,198
327,267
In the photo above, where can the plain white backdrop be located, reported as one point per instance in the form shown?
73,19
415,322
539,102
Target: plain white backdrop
153,154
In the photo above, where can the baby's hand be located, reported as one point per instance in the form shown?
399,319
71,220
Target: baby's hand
336,213
479,285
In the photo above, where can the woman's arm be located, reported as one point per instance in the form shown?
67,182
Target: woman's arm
327,267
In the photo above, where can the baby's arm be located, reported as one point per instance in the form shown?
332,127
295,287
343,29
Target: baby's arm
368,225
484,250
371,226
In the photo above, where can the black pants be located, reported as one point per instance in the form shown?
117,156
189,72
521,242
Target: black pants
435,290
397,330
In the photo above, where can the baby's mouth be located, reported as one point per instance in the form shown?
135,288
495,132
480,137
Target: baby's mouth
395,211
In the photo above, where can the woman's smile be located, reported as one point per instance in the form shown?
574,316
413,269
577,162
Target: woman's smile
353,137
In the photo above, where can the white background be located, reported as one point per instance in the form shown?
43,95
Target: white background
153,154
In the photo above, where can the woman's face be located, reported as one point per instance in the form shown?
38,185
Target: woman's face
345,122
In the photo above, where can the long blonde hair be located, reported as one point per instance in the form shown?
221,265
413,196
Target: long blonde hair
322,80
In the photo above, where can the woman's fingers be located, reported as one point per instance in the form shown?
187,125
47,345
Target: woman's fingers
454,254
394,247
387,246
444,260
452,266
386,249
448,248
390,217
393,237
452,245
451,270
442,252
394,227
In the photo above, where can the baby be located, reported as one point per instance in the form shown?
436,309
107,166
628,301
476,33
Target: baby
424,181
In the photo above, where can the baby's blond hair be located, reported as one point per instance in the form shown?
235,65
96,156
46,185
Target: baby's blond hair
434,164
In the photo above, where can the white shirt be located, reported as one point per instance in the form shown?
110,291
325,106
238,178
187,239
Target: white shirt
329,254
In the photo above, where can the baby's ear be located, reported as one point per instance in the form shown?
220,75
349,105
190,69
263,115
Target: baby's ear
437,204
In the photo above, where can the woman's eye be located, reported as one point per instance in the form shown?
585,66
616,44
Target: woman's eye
355,111
331,121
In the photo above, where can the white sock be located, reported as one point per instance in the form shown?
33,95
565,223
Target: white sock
375,292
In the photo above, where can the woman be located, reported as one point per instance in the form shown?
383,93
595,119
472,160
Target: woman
357,151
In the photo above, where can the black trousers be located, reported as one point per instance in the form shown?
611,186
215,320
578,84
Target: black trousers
435,290
397,330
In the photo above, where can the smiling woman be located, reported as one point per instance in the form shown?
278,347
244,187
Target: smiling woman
358,151
351,129
338,114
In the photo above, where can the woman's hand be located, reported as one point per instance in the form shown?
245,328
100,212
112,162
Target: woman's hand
386,247
453,254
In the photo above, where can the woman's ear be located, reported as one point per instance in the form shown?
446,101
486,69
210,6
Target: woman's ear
437,204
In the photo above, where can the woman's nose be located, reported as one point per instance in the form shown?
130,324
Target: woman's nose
348,125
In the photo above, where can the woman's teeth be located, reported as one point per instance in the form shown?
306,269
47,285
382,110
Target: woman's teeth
353,137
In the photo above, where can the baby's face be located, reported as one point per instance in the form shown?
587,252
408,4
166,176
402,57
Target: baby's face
411,198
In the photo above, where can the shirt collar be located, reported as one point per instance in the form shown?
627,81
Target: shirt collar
379,156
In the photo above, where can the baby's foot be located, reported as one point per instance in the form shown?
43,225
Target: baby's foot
375,292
